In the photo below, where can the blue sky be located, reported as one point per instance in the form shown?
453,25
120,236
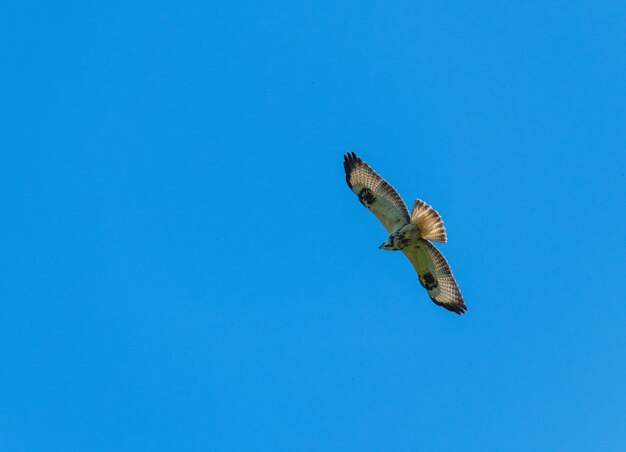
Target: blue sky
184,267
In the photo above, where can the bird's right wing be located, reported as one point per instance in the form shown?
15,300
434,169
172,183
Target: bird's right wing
375,193
435,276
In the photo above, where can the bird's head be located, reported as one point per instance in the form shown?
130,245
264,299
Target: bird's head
386,245
395,241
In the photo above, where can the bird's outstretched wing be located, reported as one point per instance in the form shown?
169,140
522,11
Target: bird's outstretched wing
375,193
435,276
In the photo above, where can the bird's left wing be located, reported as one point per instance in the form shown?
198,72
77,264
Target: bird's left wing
375,193
435,276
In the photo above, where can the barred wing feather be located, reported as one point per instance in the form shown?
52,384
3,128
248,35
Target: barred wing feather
375,193
435,276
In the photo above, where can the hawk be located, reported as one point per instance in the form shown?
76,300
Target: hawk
410,233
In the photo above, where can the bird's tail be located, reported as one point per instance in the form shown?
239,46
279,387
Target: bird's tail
428,221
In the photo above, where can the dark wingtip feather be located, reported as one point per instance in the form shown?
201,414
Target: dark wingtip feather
350,161
457,308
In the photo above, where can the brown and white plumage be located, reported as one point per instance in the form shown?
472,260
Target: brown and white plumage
411,234
428,220
375,193
435,276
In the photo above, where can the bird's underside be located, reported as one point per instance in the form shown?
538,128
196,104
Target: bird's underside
410,233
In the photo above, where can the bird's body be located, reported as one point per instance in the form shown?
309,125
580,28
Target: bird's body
412,234
407,235
403,237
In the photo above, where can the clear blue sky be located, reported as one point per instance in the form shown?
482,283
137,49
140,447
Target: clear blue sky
184,267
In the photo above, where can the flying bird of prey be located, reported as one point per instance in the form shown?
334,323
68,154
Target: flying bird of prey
410,233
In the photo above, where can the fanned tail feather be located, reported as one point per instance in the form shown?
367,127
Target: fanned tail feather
428,221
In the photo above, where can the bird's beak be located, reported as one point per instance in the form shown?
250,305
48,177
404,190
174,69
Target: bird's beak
381,246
